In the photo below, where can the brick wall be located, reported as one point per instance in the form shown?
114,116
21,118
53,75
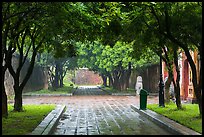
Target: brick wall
86,77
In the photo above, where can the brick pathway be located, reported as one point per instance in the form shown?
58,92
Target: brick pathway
89,90
105,115
100,115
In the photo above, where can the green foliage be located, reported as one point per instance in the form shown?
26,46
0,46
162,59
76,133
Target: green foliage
186,22
147,58
22,123
102,34
104,58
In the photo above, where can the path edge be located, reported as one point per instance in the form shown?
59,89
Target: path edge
48,124
165,122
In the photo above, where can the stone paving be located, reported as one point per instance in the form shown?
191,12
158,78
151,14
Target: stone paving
100,115
104,117
89,90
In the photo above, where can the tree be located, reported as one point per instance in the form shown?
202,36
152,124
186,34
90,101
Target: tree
25,37
173,21
176,25
27,27
120,28
14,30
114,63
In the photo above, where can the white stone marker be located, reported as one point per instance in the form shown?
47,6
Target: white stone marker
138,85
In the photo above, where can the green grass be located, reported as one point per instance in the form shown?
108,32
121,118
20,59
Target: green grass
63,90
68,88
129,90
188,116
68,83
22,123
87,85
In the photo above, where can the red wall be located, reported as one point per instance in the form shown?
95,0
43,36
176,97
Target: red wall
86,77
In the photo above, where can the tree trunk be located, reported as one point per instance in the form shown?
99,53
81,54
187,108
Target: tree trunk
4,101
110,81
4,68
167,87
56,78
104,78
122,80
177,85
116,81
61,83
18,103
177,95
128,74
169,65
196,86
4,96
117,85
18,87
200,101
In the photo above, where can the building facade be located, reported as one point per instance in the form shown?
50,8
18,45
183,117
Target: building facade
186,85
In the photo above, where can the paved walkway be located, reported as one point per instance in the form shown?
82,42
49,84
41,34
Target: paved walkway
100,115
104,116
89,90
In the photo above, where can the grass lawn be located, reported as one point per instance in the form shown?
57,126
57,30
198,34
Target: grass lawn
129,90
63,90
22,123
188,116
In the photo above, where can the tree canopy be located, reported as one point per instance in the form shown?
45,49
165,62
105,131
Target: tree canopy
108,37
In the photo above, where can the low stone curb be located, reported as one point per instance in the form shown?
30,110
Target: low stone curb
49,123
166,123
123,94
109,93
117,94
74,90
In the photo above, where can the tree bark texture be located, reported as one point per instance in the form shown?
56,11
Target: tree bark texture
4,103
177,85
